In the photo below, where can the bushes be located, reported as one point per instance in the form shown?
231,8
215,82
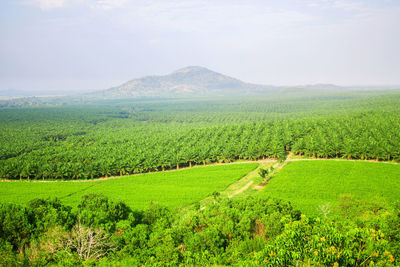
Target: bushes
7,256
98,211
228,231
328,244
17,224
50,212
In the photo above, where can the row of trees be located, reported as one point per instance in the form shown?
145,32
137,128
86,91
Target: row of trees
250,231
74,150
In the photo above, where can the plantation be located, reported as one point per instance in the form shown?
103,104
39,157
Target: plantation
171,205
171,189
119,138
311,184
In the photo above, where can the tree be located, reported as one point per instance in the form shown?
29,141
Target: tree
262,172
89,243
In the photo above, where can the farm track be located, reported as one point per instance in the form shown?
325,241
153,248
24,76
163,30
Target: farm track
241,190
196,166
278,166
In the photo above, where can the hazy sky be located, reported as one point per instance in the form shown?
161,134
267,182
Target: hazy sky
95,44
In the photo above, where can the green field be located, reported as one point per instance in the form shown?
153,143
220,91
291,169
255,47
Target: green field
172,189
308,184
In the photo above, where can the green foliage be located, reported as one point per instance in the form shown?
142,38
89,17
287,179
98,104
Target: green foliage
49,213
327,243
247,231
98,211
17,224
216,194
7,255
360,226
391,229
133,137
263,172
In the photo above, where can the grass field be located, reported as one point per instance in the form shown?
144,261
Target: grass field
308,184
173,189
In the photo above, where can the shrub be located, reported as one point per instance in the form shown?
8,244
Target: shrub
97,211
17,224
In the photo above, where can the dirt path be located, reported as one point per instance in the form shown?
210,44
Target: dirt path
239,186
241,190
247,181
277,167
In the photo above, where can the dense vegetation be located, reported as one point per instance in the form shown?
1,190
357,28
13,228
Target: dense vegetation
246,232
171,189
110,222
315,186
132,136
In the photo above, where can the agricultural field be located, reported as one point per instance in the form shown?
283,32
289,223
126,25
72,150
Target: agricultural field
119,138
142,178
309,184
172,189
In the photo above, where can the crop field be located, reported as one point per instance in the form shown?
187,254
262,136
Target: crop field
91,141
309,184
310,150
172,189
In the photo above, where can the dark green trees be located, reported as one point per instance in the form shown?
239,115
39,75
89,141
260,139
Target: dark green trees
90,142
246,231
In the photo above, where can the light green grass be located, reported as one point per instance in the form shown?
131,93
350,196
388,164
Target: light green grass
173,189
308,184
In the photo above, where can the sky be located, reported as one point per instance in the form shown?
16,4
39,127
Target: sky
87,45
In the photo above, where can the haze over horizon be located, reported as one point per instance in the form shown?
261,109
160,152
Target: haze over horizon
88,45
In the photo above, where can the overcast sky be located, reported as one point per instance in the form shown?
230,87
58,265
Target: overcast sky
82,45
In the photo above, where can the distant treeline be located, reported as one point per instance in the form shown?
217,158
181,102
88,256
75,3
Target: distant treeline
119,139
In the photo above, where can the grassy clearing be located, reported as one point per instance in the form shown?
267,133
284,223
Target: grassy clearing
309,184
173,189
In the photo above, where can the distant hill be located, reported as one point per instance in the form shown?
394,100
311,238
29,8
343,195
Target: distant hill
190,81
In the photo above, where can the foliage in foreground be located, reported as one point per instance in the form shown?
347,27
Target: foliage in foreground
247,231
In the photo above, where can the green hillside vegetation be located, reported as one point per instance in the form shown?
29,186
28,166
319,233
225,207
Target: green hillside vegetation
171,189
247,232
314,183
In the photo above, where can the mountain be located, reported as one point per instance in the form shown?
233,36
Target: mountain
189,81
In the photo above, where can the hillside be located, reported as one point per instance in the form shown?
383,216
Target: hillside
190,81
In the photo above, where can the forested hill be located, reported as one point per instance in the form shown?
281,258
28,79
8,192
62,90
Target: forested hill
190,81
